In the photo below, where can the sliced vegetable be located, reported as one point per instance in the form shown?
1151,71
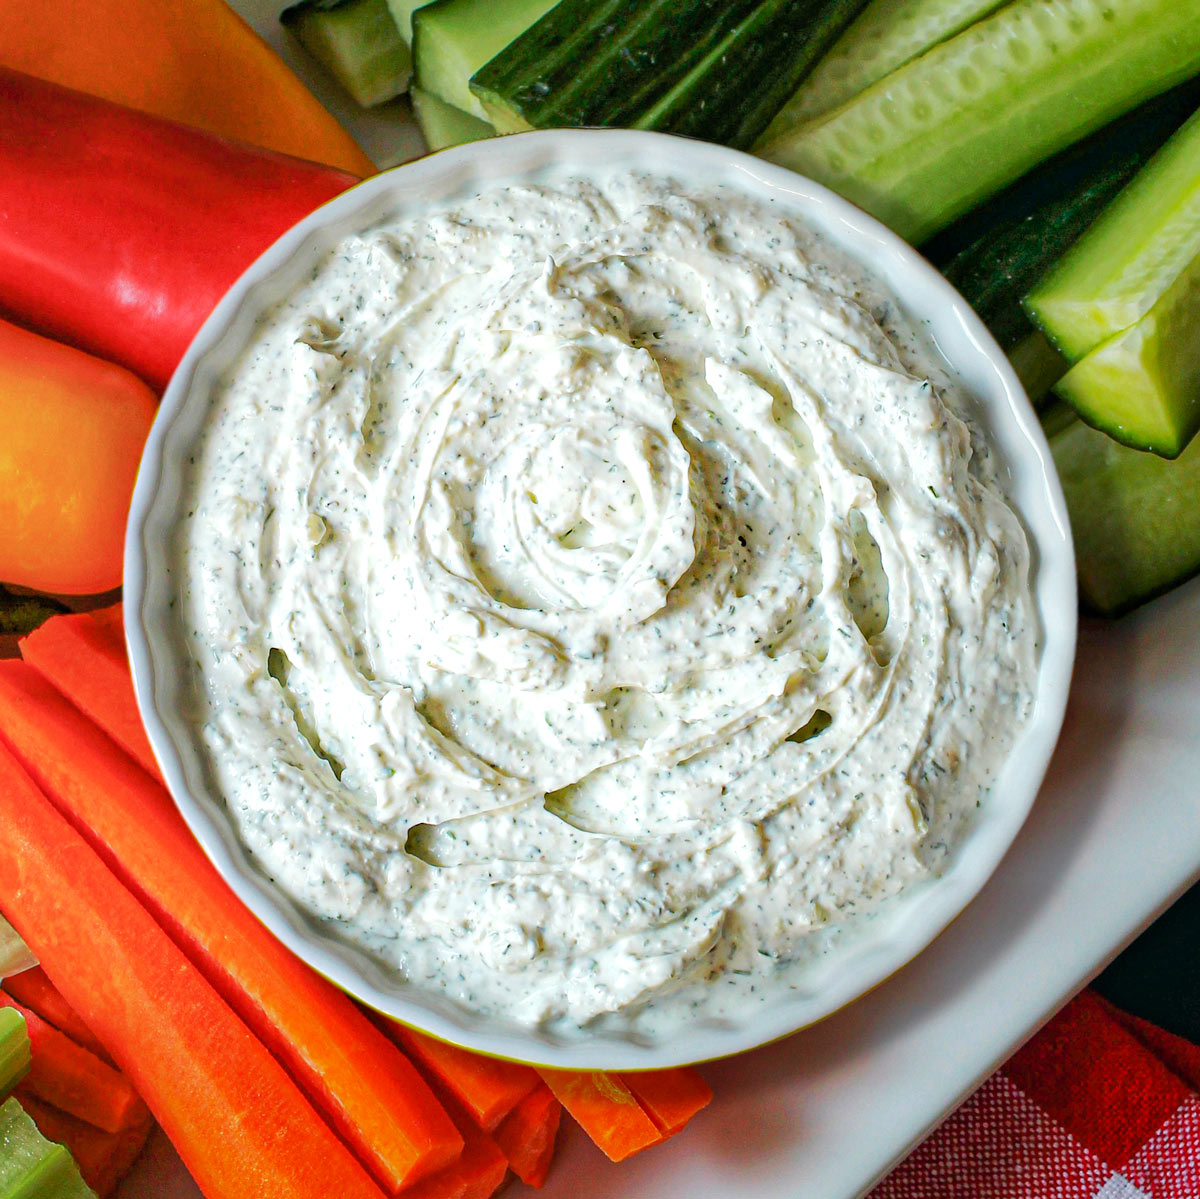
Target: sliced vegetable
1135,517
358,42
183,214
74,428
15,955
32,989
885,36
402,15
83,655
488,1087
21,614
14,1049
73,1080
452,39
102,1158
478,1173
1143,386
604,1107
1038,365
732,94
376,1100
669,1097
442,125
198,63
999,251
30,1166
526,1135
952,127
709,68
1138,248
585,63
238,1122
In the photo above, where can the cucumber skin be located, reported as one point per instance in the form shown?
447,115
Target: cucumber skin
1001,250
588,64
1135,517
950,152
756,79
888,34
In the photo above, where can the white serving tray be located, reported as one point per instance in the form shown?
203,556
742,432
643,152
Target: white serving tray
1114,837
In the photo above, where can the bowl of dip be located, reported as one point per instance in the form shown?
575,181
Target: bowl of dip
599,598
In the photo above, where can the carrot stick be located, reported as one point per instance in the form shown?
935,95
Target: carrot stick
74,1080
488,1087
239,1123
669,1097
605,1109
480,1170
370,1091
33,989
102,1157
84,657
526,1135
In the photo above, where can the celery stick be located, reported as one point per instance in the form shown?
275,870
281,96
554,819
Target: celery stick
1117,271
32,1167
888,34
15,955
402,14
950,128
14,1049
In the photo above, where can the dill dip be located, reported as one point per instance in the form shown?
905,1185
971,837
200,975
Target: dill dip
600,599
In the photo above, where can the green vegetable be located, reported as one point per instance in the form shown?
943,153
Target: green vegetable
1134,252
21,614
951,128
996,253
15,955
1143,386
1038,365
402,15
14,1049
443,126
452,39
731,95
32,1167
717,69
888,34
1135,516
358,42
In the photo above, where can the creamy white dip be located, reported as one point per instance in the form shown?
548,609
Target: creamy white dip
597,596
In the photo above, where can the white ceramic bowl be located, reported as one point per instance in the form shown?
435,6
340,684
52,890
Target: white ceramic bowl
905,925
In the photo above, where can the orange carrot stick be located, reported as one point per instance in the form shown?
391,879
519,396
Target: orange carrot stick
33,989
604,1107
481,1168
102,1157
74,1080
669,1097
488,1087
239,1123
368,1089
84,657
526,1135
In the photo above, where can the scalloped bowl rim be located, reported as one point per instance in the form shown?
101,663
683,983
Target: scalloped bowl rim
881,945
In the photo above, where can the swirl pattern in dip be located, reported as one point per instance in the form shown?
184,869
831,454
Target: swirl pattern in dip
597,597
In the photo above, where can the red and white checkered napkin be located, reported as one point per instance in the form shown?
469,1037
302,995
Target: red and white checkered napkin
1099,1105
